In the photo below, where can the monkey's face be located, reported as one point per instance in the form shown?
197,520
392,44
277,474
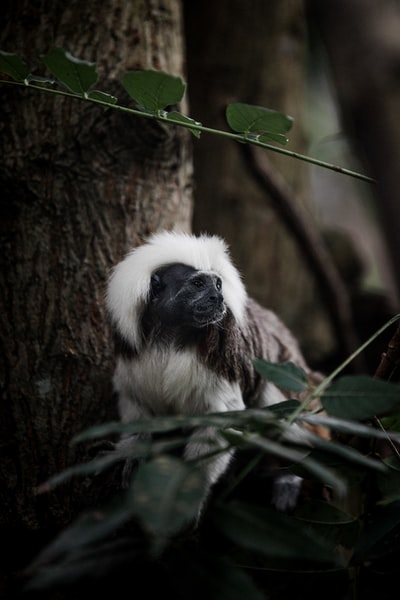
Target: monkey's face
182,296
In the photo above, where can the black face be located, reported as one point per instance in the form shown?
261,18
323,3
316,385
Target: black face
181,295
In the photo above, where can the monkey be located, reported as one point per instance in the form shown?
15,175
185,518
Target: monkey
186,335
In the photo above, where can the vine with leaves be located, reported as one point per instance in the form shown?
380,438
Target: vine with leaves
154,92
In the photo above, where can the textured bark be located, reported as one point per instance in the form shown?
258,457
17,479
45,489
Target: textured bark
251,52
79,186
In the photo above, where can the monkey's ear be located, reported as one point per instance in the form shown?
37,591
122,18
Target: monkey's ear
156,285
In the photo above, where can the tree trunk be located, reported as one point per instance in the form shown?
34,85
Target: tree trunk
252,52
80,186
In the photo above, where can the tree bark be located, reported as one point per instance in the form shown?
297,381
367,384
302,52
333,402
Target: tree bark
80,186
256,53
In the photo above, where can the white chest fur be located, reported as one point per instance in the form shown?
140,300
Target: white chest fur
171,382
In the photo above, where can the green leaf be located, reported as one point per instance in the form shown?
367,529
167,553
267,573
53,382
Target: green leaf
138,449
284,409
154,90
103,97
240,418
178,117
393,463
351,427
75,74
392,423
273,534
329,522
272,447
89,528
87,468
265,138
347,452
264,122
360,397
157,424
166,496
317,511
286,375
13,66
79,563
81,547
289,454
39,79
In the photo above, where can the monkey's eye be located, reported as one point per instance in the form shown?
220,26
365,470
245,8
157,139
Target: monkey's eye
199,283
218,284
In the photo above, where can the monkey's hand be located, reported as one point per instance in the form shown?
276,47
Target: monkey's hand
286,491
126,446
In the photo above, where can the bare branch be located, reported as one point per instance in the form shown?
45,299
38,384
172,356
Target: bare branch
310,244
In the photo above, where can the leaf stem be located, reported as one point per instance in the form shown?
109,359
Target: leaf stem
328,380
238,137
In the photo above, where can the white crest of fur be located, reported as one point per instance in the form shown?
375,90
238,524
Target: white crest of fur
129,284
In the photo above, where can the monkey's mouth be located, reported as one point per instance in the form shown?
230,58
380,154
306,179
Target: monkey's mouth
208,314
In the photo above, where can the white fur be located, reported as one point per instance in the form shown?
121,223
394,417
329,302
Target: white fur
159,381
171,382
129,284
202,442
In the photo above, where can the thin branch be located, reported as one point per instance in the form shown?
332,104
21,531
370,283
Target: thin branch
390,360
387,368
310,244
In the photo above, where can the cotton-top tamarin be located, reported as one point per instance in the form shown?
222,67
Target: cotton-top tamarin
187,333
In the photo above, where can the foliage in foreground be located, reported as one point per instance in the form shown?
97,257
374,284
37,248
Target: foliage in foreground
243,546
